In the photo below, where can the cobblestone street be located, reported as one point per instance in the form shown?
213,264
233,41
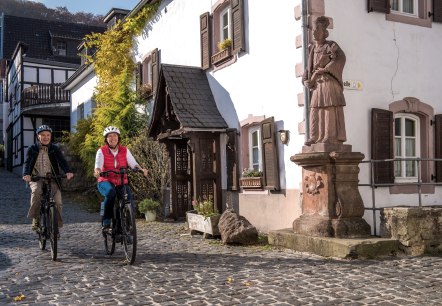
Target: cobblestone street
174,268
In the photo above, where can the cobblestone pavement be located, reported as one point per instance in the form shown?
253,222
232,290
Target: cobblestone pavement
174,268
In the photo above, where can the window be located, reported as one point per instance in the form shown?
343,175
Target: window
60,48
259,149
80,112
408,7
406,145
255,148
225,24
415,12
148,73
408,129
58,126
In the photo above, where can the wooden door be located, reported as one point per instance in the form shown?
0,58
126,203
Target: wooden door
181,178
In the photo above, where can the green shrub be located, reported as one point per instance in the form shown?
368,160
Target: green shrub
148,205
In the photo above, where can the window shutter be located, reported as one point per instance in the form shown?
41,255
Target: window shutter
232,160
205,40
382,6
437,10
382,145
237,18
155,69
269,154
438,147
139,75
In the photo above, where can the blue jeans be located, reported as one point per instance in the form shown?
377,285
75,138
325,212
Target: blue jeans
110,191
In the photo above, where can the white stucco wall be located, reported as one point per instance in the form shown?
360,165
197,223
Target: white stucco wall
82,93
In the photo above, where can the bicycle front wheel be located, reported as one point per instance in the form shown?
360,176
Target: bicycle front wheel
129,231
53,231
42,231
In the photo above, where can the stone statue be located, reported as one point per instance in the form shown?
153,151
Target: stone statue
323,77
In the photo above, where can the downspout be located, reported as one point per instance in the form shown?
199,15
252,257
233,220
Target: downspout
304,19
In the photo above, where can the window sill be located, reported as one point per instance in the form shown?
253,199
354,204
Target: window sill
413,20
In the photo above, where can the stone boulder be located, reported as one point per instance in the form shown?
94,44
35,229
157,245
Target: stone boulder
236,229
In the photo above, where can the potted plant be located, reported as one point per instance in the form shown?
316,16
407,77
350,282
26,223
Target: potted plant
149,208
251,179
204,218
224,51
224,44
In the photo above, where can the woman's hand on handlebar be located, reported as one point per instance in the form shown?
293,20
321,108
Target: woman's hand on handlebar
69,175
97,172
141,170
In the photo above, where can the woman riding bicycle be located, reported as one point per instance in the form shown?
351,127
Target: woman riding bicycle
41,158
112,156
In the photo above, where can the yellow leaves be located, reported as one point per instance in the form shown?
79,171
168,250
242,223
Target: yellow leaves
230,280
19,298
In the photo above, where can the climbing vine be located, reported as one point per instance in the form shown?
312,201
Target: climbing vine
114,94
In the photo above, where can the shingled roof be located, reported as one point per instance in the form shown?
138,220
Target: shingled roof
36,33
191,98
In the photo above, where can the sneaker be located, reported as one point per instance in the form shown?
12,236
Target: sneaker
35,224
105,225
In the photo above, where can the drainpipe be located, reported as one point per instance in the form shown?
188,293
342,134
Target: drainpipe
304,19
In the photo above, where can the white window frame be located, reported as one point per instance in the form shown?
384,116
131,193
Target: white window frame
223,26
61,47
401,8
403,137
252,163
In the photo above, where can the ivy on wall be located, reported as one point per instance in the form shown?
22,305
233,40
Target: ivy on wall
116,98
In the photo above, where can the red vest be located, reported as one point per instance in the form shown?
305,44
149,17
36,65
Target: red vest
112,162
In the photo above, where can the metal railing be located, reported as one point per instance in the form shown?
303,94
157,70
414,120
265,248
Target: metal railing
419,183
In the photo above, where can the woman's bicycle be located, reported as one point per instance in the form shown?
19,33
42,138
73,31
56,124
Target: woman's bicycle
123,227
48,222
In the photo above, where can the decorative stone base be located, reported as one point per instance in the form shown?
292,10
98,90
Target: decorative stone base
325,227
332,247
326,147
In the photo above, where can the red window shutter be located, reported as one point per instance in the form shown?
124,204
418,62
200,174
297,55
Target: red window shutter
382,6
155,69
437,10
438,147
206,39
237,17
382,145
269,154
232,160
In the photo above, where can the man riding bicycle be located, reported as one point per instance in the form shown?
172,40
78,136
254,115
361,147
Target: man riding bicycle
112,156
41,158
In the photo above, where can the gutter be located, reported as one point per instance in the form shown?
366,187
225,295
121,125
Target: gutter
305,28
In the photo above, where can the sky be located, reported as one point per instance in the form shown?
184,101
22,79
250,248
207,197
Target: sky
96,7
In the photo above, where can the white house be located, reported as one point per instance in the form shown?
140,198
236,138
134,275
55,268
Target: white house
222,110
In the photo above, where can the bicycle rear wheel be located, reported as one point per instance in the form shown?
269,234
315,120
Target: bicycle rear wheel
42,231
53,231
129,231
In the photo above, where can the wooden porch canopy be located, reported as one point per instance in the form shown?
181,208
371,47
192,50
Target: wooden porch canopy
184,103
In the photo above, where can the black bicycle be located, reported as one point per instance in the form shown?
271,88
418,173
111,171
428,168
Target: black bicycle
48,223
123,227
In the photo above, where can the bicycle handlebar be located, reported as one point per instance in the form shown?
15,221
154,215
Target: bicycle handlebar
121,171
49,176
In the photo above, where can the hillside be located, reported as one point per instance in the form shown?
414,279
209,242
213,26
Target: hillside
30,9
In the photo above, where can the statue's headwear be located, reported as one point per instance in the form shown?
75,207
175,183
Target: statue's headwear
322,21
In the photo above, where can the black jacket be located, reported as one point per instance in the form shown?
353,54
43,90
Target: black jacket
55,156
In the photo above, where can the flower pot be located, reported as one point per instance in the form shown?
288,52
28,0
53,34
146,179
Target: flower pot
200,223
150,216
251,182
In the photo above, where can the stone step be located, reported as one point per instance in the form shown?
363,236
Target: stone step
372,247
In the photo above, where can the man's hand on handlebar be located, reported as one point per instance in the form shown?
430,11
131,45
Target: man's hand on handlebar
27,178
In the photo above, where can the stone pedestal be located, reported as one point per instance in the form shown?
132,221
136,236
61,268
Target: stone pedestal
331,203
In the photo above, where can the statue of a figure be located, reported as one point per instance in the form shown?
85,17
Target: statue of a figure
323,77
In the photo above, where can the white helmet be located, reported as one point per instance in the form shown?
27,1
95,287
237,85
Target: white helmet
111,129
